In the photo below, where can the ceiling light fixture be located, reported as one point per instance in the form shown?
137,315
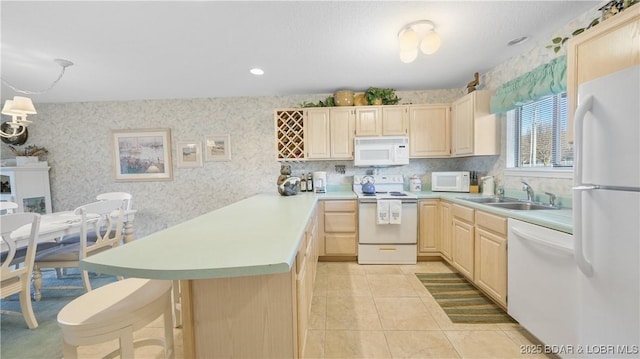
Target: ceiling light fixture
62,62
418,34
18,109
256,71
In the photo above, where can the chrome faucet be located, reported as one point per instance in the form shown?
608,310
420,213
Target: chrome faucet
552,198
529,189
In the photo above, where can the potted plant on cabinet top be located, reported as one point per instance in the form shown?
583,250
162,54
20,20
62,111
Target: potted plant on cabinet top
381,96
28,155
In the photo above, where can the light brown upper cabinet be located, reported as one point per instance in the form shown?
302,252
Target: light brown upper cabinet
381,120
329,133
429,131
474,131
612,45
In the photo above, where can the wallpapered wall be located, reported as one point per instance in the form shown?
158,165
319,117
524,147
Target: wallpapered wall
78,137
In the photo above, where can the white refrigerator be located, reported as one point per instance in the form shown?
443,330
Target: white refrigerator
606,210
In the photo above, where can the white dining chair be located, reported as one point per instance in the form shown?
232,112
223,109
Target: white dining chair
15,278
107,228
122,196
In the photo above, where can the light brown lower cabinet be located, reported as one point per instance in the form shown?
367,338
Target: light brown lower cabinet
445,244
339,227
491,255
475,243
463,240
428,226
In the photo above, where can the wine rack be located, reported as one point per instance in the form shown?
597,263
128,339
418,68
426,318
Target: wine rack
289,134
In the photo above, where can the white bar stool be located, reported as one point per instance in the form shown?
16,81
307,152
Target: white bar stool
115,311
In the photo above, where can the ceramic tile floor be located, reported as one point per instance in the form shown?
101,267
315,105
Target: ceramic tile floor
383,311
376,311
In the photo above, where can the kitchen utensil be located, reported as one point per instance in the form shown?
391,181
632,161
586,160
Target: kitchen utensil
320,181
488,186
367,184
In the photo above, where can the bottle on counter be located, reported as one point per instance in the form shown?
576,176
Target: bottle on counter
303,183
309,182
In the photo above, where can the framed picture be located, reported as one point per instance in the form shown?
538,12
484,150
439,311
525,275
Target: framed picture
189,154
142,155
218,148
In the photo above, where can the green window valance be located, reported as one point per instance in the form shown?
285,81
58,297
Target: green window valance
544,80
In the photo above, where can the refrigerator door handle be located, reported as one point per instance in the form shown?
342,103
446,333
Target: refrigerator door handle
578,234
581,112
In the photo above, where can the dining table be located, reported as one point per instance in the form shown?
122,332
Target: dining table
56,225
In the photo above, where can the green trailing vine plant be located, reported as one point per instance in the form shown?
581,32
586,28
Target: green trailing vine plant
558,42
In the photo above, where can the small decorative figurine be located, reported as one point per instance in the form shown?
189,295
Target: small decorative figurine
287,185
472,85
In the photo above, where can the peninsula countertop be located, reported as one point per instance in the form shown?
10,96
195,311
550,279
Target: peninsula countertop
255,236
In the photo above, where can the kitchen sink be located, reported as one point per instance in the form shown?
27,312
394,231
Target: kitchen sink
522,206
490,200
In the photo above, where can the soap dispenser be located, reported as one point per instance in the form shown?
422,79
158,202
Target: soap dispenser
488,186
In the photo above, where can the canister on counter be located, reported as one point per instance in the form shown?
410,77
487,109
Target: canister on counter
415,184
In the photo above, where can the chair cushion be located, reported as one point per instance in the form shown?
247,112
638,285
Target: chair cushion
22,251
75,238
67,253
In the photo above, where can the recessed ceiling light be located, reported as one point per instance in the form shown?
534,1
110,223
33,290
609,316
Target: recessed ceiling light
517,41
256,71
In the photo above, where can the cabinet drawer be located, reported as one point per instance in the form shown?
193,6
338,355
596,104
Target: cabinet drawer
340,206
492,222
341,244
464,213
340,222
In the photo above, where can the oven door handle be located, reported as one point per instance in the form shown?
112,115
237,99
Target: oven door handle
373,200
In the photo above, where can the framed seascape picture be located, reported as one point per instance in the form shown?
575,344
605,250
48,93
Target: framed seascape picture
142,155
189,154
218,148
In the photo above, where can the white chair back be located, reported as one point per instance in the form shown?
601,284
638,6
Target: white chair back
8,207
108,227
122,196
15,271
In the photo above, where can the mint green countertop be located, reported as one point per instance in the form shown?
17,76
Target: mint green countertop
558,219
255,236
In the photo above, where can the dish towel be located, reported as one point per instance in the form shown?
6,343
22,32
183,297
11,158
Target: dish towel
395,211
382,212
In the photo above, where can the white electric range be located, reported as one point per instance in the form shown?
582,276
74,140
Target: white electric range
386,243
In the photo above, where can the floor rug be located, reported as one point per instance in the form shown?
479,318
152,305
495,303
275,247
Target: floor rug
45,341
462,302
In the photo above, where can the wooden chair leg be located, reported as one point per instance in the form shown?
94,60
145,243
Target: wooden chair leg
37,283
169,347
85,280
69,351
126,343
26,308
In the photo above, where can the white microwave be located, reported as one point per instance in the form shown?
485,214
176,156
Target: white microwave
381,151
450,181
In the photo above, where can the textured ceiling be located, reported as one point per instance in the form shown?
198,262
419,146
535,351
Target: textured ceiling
160,50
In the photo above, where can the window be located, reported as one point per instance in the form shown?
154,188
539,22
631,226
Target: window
538,134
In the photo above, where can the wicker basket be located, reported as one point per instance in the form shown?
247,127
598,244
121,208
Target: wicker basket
343,98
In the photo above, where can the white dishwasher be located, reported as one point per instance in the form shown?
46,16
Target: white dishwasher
542,284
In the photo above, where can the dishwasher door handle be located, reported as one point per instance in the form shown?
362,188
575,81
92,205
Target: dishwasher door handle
527,236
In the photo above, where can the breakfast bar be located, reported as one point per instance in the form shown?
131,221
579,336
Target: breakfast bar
237,268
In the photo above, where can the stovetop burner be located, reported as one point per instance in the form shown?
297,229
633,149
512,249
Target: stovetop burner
398,194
